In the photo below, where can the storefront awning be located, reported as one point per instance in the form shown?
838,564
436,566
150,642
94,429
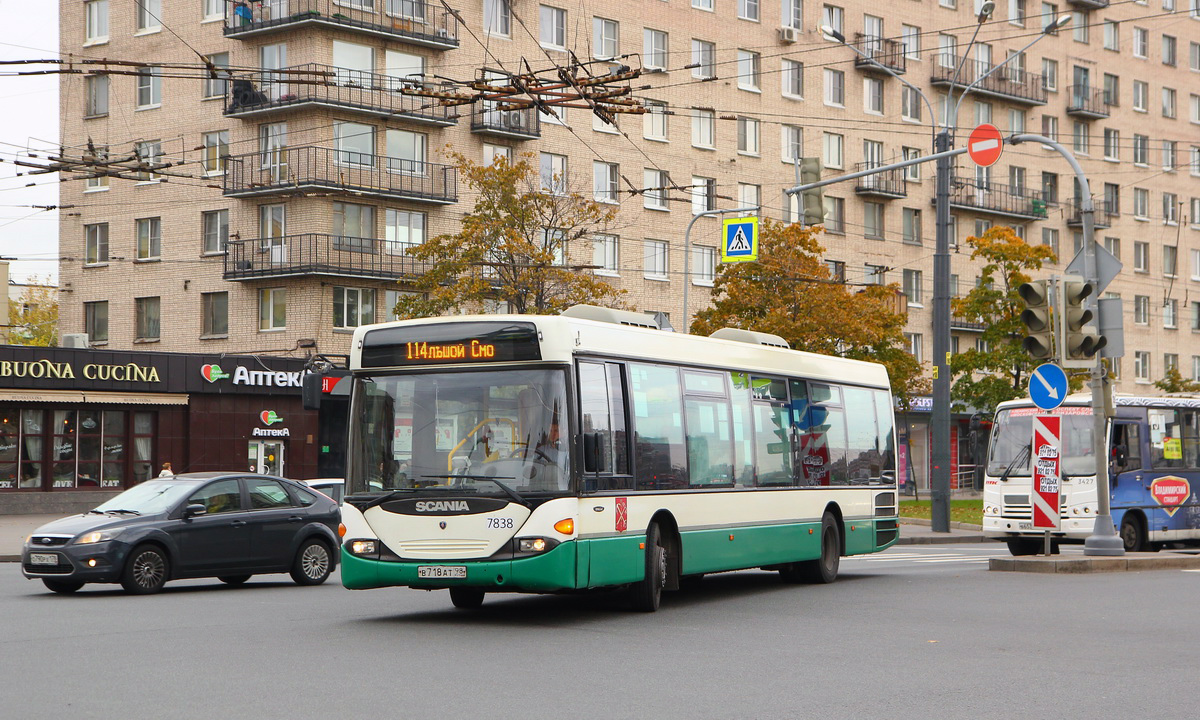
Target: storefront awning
93,396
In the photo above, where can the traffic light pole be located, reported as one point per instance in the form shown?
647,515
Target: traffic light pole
939,421
1104,539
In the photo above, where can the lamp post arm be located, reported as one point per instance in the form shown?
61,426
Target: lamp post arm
954,117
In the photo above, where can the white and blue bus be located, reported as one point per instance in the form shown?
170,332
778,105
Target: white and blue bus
1153,445
521,453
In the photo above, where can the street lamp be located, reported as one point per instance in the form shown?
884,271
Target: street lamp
939,421
687,252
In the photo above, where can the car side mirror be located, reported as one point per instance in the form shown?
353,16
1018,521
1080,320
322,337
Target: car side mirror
193,510
593,455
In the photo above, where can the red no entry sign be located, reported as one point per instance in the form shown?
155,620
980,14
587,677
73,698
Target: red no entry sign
985,145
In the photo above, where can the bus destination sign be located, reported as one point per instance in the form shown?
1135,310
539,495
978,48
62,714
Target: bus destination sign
472,342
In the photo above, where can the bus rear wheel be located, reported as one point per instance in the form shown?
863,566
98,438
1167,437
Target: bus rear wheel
646,595
825,568
466,598
1133,533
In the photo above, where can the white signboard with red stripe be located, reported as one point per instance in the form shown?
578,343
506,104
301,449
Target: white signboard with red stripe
1047,434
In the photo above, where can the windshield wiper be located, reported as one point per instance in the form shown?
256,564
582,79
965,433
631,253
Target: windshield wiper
507,490
381,499
1020,458
123,512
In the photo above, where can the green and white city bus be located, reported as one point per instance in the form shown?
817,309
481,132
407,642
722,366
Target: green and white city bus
522,453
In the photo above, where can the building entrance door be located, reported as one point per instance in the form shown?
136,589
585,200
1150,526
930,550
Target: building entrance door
266,456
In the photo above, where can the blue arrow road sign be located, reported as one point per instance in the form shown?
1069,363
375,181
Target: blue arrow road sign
1048,386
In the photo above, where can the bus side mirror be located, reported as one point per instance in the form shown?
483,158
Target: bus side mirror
593,457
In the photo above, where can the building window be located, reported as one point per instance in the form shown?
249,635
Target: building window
834,17
747,129
605,254
1141,42
702,4
1049,75
873,220
353,226
216,152
215,87
491,153
1112,144
835,215
1113,246
149,87
910,41
703,59
912,287
655,265
149,238
1141,94
791,143
96,95
355,144
606,38
148,14
704,191
272,308
1141,309
214,307
1141,150
95,241
96,22
1141,366
553,170
912,173
704,265
654,49
873,95
1112,89
1170,155
910,104
1168,103
353,307
655,184
749,195
835,87
703,128
654,121
749,70
1050,239
96,184
912,226
834,150
553,27
1168,50
747,10
497,17
215,230
1141,256
95,321
792,79
1171,314
837,270
1050,127
403,230
605,181
1170,206
1080,138
916,342
147,318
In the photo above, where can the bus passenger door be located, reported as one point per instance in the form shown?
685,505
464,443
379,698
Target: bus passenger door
1126,484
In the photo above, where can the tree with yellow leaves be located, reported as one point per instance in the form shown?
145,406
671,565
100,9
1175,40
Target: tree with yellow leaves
33,319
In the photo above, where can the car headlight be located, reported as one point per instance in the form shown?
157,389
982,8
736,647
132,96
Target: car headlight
96,536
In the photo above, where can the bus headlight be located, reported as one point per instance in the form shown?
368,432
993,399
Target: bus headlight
364,547
531,545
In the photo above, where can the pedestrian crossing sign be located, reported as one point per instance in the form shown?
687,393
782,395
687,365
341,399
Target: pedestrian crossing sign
740,240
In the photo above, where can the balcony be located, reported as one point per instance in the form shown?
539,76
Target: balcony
1018,203
1007,83
957,322
318,254
523,124
313,85
415,22
888,53
1085,101
304,169
886,184
1089,4
1102,214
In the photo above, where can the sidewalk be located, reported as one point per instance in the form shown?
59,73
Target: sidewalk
917,531
13,531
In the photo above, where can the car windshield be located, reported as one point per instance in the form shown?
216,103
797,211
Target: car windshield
1014,434
149,498
486,432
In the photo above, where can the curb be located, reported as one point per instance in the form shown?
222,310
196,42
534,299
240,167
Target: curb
1131,562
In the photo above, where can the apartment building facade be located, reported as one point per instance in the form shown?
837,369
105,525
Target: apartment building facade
301,173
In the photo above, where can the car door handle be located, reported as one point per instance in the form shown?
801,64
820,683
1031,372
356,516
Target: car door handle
295,518
237,523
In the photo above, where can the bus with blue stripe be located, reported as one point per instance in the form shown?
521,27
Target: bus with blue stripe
540,454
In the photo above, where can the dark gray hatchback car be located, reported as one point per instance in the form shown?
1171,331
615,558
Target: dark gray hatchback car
224,525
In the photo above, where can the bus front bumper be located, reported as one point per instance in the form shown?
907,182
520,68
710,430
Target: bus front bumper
550,571
1072,528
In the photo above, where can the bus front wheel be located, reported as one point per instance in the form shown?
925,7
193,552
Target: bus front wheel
1133,533
1019,547
646,595
466,598
825,568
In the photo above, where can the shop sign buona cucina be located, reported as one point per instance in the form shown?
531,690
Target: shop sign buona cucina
129,372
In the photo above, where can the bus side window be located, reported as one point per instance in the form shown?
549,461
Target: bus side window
1166,439
601,403
864,463
1191,443
660,455
743,431
824,450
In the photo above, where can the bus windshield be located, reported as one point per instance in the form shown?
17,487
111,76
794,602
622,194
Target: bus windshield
494,432
1014,434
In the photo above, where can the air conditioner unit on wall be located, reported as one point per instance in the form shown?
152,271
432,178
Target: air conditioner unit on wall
513,121
789,34
75,340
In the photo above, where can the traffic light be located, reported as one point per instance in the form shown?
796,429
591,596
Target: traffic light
812,201
1036,318
1079,342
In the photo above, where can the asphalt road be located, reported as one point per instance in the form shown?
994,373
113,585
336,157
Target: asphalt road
911,633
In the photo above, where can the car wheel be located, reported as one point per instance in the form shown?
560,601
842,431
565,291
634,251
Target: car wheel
466,598
63,587
312,564
233,579
146,571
